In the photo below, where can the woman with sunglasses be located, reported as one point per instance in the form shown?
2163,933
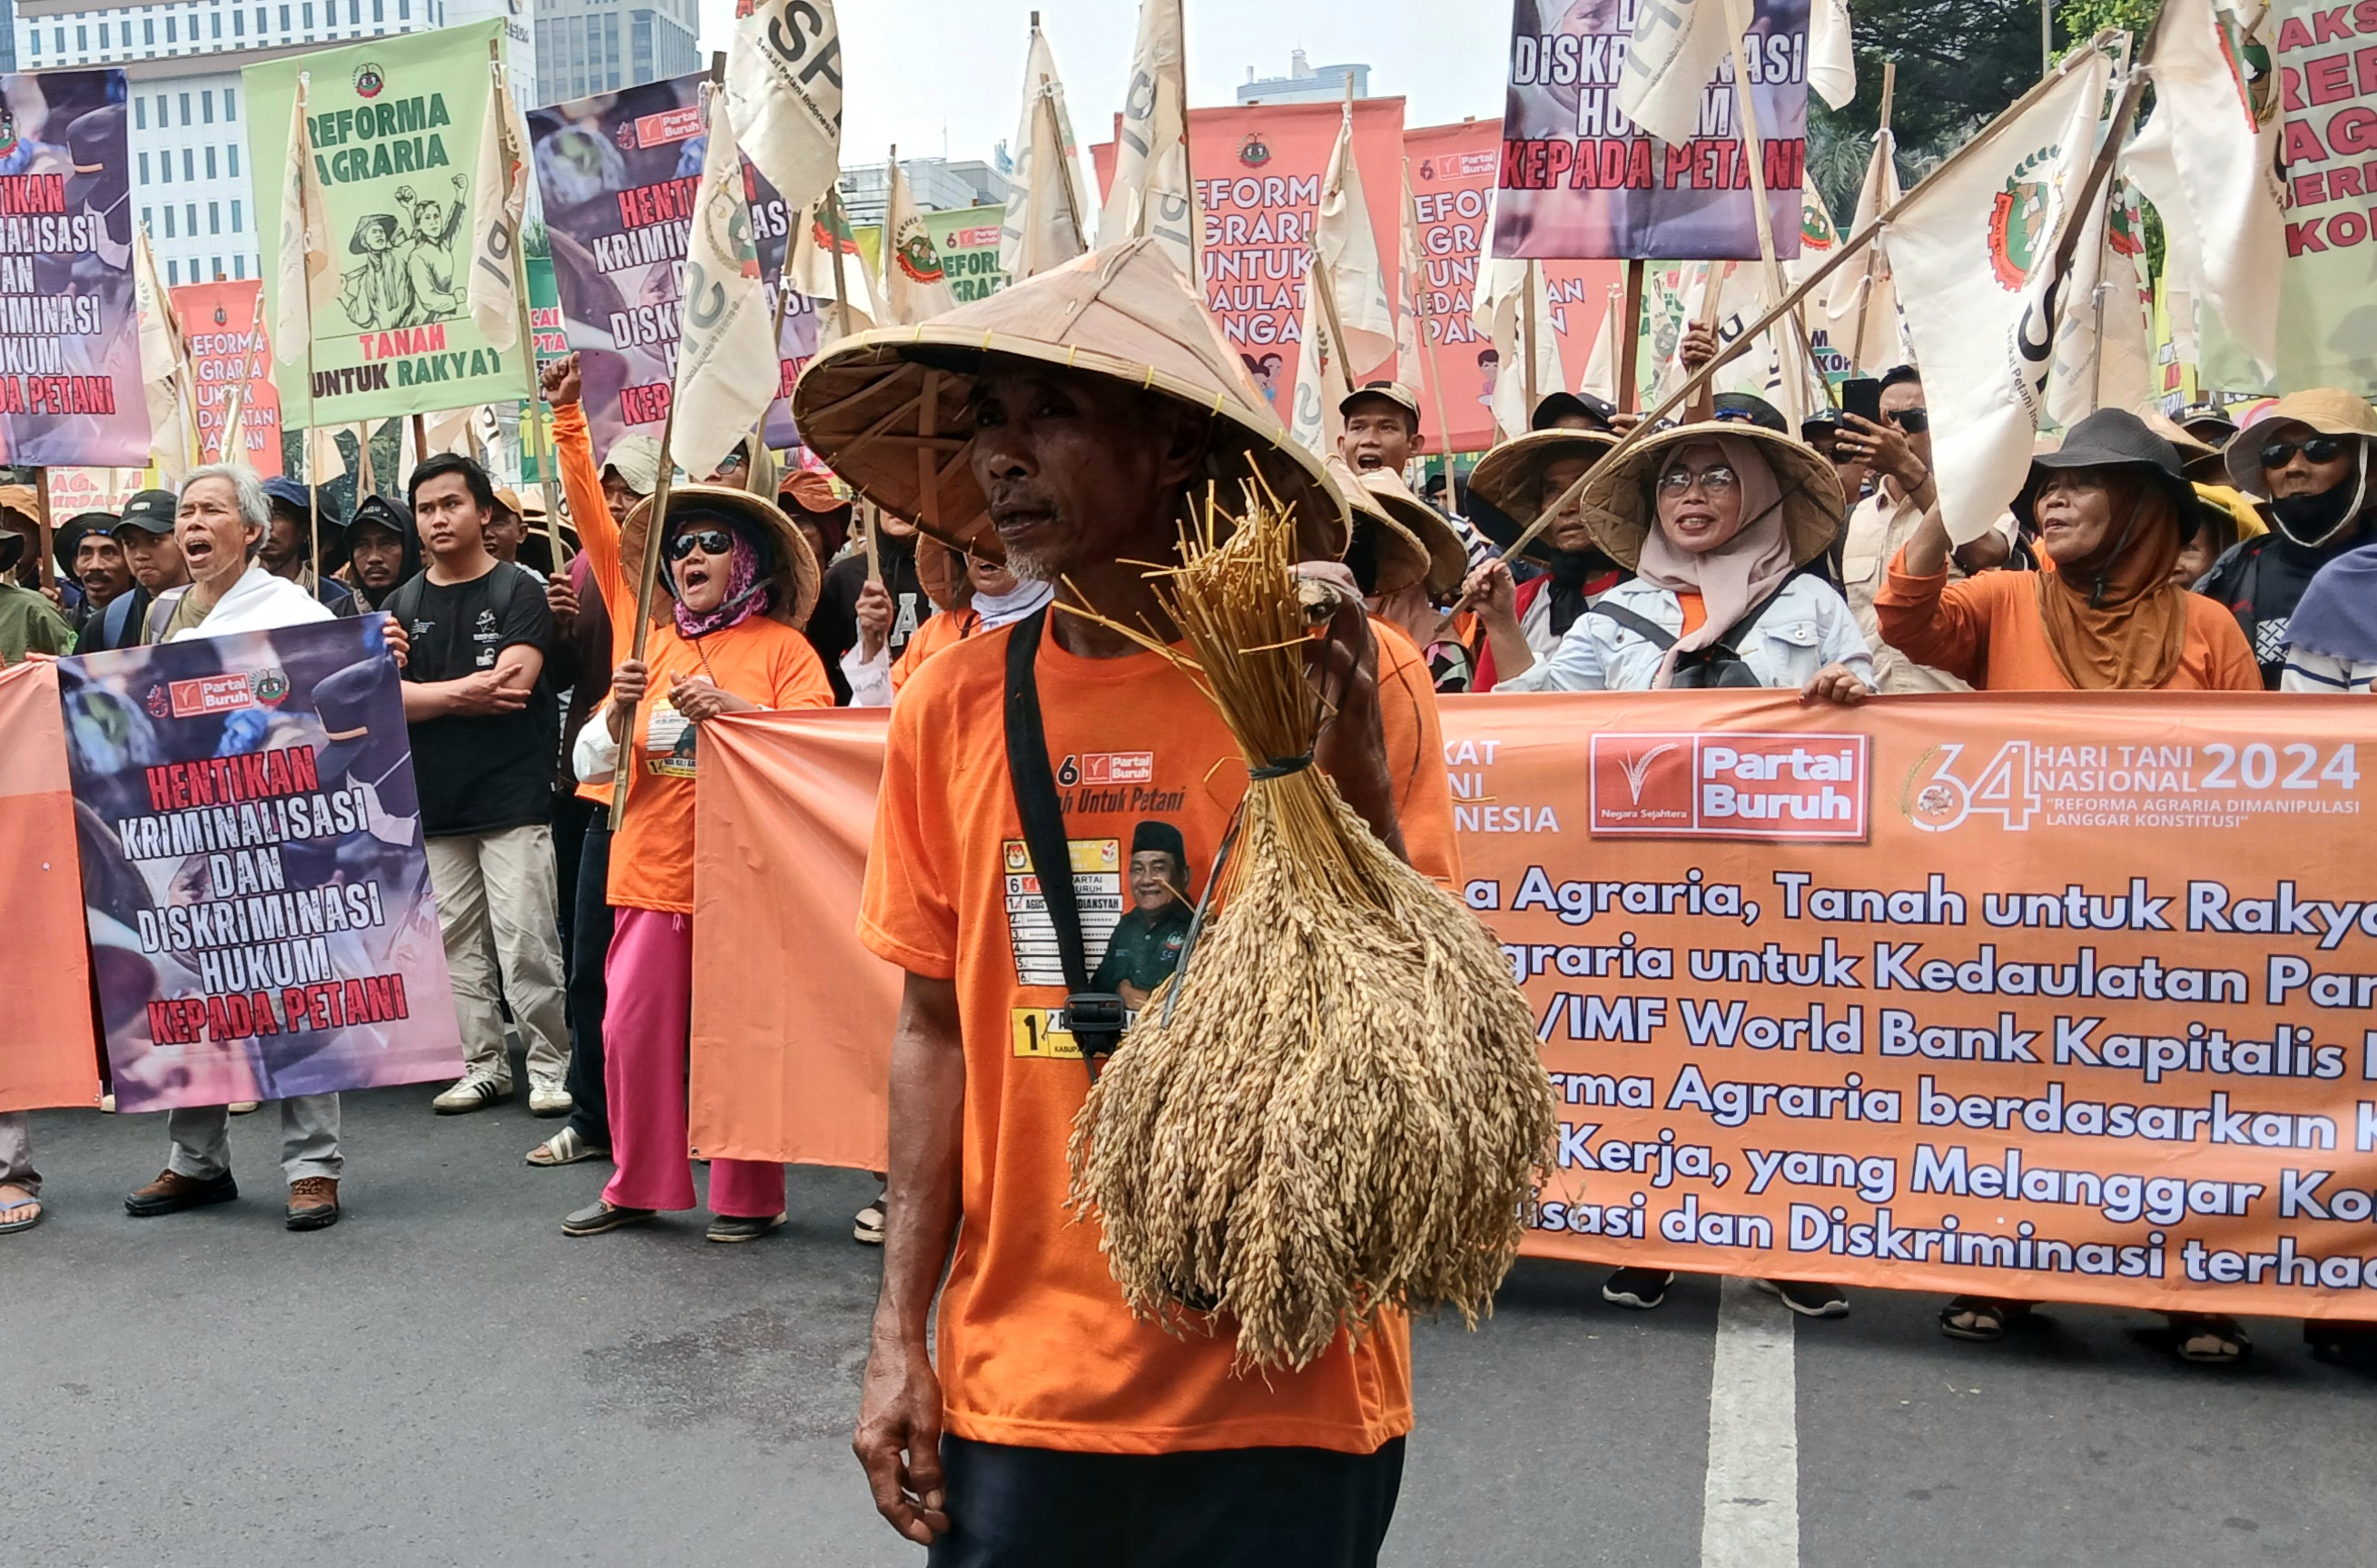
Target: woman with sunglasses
2308,458
738,582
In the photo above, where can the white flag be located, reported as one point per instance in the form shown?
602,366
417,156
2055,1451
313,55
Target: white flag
498,195
1048,220
304,260
1832,65
165,370
1410,360
915,288
1861,302
1322,385
2103,344
784,94
1972,254
1602,365
1343,243
812,271
1502,316
1671,59
2207,159
726,368
1150,197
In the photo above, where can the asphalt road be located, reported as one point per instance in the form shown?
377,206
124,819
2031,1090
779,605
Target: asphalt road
445,1379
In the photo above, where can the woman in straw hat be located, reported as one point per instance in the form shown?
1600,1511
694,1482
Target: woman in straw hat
2309,458
970,592
1718,530
1524,621
2110,510
1068,423
725,638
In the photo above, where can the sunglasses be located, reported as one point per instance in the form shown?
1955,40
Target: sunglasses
1913,421
1716,480
709,541
2318,448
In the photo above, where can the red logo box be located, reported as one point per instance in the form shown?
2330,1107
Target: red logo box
1729,786
210,694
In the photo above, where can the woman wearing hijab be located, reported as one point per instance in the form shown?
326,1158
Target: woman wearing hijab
1718,531
726,639
970,594
2111,512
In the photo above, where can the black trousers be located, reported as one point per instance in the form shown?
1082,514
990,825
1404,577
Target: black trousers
1228,1508
590,946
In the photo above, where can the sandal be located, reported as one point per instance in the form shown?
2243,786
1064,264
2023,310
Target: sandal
2209,1339
13,1218
1980,1319
566,1148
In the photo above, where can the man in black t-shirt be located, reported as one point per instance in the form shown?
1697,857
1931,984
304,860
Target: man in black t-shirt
484,723
833,625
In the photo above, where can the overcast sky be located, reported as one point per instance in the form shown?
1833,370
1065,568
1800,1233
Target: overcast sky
919,68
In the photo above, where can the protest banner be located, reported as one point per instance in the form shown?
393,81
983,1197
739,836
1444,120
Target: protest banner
1452,170
2327,91
1578,179
969,259
1257,172
395,125
77,490
617,172
253,878
223,331
1822,995
70,384
45,1046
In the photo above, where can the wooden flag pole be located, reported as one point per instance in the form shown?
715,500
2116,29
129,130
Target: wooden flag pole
1629,363
834,225
1875,185
44,569
1528,350
867,522
1754,148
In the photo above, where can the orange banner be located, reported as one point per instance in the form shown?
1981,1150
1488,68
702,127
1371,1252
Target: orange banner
48,1055
2072,1006
222,326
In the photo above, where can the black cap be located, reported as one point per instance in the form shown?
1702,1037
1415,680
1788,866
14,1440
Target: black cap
1748,409
151,512
2113,438
1825,419
381,512
71,535
1571,405
1161,837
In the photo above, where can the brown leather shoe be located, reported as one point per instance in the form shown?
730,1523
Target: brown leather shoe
313,1202
172,1192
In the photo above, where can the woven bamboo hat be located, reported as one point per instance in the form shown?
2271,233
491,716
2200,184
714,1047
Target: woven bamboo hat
887,409
791,568
1510,480
1448,557
1397,558
2327,411
1618,499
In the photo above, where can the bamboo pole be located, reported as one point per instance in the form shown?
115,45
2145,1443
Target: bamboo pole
1628,370
1875,185
834,224
1754,149
647,577
1528,350
44,567
1806,285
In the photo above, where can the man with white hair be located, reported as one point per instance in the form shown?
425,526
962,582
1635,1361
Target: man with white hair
220,522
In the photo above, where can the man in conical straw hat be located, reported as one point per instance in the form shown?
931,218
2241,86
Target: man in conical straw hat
1070,424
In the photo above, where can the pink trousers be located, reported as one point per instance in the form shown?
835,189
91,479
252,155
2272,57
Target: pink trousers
647,1034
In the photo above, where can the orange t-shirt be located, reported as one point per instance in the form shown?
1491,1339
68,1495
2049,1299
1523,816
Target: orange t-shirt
1986,631
1695,609
760,660
1036,1347
944,629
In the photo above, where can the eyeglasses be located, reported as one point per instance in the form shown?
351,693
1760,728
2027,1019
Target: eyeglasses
1716,480
709,541
2318,448
1913,421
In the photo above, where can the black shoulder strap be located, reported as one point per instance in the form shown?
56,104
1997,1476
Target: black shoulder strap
1651,631
1044,834
1731,640
405,600
509,575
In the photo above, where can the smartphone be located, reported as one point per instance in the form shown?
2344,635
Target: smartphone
1861,395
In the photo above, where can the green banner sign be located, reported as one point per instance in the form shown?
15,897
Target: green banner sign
395,125
967,238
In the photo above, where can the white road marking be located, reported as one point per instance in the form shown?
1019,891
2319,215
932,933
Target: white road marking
1749,1512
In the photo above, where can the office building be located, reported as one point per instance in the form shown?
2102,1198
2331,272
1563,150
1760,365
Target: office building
1305,83
589,46
937,184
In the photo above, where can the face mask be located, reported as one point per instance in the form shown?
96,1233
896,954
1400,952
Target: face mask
2313,520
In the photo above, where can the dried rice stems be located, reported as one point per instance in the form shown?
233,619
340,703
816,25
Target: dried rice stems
1337,1107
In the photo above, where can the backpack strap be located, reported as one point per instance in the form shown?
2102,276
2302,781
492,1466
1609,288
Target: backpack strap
161,613
1649,630
1094,1019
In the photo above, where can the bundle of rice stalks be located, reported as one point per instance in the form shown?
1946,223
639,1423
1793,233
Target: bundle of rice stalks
1337,1106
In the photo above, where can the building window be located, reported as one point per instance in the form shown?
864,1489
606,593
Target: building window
214,28
239,267
207,105
147,217
185,107
210,163
190,211
309,15
149,30
173,32
231,105
233,151
33,36
140,117
380,10
234,216
82,37
169,219
172,269
144,168
164,112
214,218
189,172
58,37
285,18
239,24
259,22
404,10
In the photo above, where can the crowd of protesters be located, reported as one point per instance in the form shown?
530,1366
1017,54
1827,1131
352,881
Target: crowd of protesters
1728,550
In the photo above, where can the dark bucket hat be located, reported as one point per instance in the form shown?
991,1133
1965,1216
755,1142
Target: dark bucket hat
2113,438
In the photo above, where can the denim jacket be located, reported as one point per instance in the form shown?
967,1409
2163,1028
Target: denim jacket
1808,627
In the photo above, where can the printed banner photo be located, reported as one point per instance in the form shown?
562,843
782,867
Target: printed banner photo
46,1055
70,387
1578,179
1452,170
223,331
1258,171
2072,1007
257,890
966,238
395,125
617,172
